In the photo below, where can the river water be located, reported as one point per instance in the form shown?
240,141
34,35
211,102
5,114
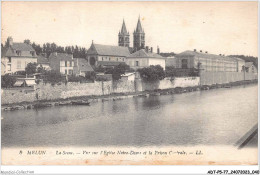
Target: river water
215,117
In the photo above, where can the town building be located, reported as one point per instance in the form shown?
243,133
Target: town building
130,76
62,62
16,56
106,55
42,61
208,62
240,64
123,36
170,61
250,67
82,67
145,58
139,37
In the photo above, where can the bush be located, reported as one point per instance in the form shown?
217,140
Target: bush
194,72
7,81
102,78
31,68
53,77
118,70
170,71
90,76
99,69
152,73
73,78
41,69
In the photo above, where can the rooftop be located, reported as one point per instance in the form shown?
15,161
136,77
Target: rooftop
143,54
42,60
83,65
249,64
201,54
10,51
110,50
61,56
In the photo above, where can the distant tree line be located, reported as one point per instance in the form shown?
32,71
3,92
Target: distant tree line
48,48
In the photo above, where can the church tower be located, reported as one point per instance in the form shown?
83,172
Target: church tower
139,37
123,36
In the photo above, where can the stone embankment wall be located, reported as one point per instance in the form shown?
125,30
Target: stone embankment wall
72,89
209,78
169,83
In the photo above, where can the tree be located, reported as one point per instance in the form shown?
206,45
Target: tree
27,41
152,73
99,69
53,77
7,81
31,68
90,76
170,71
41,69
118,70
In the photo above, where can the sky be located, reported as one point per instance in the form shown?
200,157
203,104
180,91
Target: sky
217,27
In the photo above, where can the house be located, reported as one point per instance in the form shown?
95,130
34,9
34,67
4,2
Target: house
145,58
43,61
207,62
128,76
62,62
240,64
3,68
16,56
82,67
106,56
250,67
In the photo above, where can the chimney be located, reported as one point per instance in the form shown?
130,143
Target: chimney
195,50
158,50
9,41
151,49
146,49
200,50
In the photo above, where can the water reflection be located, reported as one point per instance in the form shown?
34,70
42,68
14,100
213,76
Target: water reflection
206,117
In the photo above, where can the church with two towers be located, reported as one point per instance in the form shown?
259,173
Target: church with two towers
138,37
137,56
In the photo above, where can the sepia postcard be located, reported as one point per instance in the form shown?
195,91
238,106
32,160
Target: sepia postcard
129,83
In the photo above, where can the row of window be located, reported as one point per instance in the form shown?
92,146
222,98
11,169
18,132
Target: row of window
68,72
69,63
112,59
212,65
19,52
136,63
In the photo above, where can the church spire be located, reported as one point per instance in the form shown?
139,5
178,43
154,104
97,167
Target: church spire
139,36
123,29
123,36
139,26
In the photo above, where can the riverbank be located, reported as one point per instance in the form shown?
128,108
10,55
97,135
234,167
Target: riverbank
117,96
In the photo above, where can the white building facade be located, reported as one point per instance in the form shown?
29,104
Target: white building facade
144,58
